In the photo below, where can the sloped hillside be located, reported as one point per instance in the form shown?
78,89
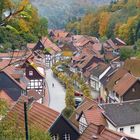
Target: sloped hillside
59,12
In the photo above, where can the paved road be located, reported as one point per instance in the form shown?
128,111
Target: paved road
56,93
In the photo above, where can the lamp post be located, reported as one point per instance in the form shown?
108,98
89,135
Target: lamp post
26,121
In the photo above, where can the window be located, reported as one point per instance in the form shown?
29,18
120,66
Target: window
133,89
31,73
54,137
66,136
121,129
132,129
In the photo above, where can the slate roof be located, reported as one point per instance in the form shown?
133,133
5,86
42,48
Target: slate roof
94,132
99,69
122,114
38,114
104,79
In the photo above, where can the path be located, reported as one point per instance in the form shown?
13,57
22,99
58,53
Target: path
56,93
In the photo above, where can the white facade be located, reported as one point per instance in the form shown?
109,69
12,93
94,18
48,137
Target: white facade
82,124
131,130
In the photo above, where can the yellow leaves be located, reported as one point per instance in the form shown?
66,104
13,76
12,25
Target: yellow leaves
103,22
67,53
23,4
124,30
23,25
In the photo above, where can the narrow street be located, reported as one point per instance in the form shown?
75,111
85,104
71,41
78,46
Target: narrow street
56,92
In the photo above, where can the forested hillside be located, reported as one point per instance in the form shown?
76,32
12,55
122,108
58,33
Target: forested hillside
59,12
121,19
19,24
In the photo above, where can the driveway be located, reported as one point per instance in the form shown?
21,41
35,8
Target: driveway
56,92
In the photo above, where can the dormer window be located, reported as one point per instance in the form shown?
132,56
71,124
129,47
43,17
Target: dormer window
121,130
132,129
30,73
133,89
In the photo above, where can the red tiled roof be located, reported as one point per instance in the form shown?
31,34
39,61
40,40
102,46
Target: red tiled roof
115,77
38,115
33,93
49,44
6,97
94,132
124,84
86,104
31,45
16,54
94,115
83,40
133,65
60,33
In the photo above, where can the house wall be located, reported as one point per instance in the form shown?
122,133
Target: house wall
103,93
111,127
131,94
39,46
62,127
127,130
10,86
94,83
35,75
82,124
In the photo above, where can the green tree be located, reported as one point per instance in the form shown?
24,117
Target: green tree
3,107
126,53
10,130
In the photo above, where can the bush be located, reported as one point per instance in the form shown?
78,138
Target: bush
67,112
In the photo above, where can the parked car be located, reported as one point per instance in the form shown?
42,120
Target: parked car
78,101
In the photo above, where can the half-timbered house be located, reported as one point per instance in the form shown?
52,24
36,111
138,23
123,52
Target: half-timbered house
36,74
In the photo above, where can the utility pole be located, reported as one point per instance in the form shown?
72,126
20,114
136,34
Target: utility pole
26,121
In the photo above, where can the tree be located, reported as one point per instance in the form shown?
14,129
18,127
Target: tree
10,130
12,10
3,107
103,23
126,53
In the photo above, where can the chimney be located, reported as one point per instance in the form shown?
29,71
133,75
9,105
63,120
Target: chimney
94,137
100,129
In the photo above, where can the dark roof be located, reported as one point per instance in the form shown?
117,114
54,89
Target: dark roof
94,132
104,79
122,114
97,71
66,121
